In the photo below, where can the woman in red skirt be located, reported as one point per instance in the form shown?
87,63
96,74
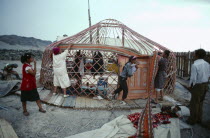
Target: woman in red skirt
28,86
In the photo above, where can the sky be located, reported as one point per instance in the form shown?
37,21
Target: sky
180,25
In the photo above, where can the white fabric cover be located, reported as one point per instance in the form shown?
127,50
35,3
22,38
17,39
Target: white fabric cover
61,77
171,130
120,127
184,111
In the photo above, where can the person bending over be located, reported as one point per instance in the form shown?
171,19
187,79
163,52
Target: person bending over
8,70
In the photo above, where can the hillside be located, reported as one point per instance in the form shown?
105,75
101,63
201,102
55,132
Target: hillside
22,43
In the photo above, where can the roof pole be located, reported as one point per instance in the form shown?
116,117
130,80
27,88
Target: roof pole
89,21
123,37
97,40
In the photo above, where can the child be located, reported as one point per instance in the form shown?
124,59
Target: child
28,86
128,71
61,77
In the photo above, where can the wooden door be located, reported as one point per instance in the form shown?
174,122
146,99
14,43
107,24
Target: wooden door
139,82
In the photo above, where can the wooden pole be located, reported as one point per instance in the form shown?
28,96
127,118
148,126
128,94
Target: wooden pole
185,70
123,37
89,21
97,39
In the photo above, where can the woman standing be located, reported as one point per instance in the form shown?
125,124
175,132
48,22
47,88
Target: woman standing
28,85
161,74
61,77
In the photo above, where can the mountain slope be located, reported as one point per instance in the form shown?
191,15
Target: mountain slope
20,42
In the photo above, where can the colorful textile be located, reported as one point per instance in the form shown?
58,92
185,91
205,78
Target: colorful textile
158,119
134,118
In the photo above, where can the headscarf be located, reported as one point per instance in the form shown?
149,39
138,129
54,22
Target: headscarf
56,50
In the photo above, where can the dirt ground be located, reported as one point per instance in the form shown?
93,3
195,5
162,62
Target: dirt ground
62,122
57,122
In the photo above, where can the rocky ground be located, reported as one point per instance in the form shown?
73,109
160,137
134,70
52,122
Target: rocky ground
16,54
57,122
62,122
